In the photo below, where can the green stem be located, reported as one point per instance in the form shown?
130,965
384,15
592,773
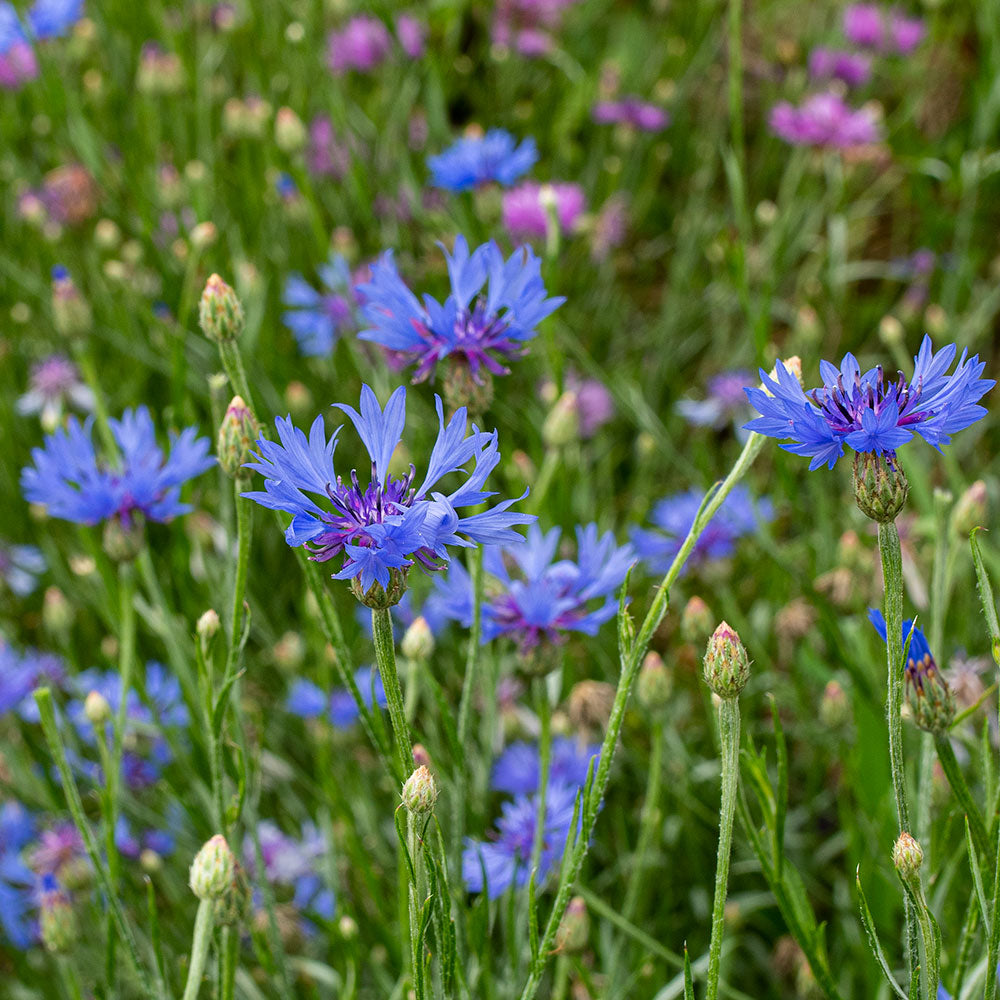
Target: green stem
199,948
126,658
232,361
544,478
385,656
475,635
949,764
735,81
892,572
414,847
46,711
729,738
631,660
930,972
544,709
647,823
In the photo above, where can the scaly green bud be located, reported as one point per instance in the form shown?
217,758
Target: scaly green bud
727,668
562,424
462,388
696,620
834,708
71,314
574,928
420,792
220,313
970,511
237,433
58,921
880,486
208,626
655,682
418,642
289,132
232,907
907,856
212,869
377,596
96,709
927,692
123,542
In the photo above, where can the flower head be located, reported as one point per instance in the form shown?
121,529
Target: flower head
18,63
412,35
308,701
873,27
631,111
20,567
21,674
53,383
17,828
361,44
517,769
853,68
495,306
495,865
318,318
724,399
384,526
524,210
673,516
75,485
531,596
326,155
475,160
53,18
824,120
869,412
293,862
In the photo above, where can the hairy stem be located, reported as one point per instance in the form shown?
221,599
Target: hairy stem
385,656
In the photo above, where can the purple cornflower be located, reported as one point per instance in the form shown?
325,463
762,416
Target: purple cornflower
361,44
592,402
476,160
824,120
75,485
386,526
871,26
131,844
318,318
516,770
527,25
673,516
53,383
532,596
326,155
412,35
293,863
505,860
21,674
308,700
476,325
58,847
20,567
870,412
724,401
162,703
631,111
524,208
17,829
853,68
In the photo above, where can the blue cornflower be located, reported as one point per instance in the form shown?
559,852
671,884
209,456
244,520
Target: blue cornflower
20,674
163,704
386,526
20,567
131,844
869,412
532,596
475,160
516,770
309,701
495,306
318,318
293,863
673,516
11,32
17,829
75,485
54,18
505,859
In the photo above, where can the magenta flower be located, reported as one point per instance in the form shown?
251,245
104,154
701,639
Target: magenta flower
631,111
326,154
853,68
361,44
412,35
524,212
824,120
873,27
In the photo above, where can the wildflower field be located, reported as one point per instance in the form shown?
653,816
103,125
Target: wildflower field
496,500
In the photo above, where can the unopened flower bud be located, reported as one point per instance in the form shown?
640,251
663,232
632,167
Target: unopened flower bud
212,869
880,486
463,388
834,708
590,704
574,928
420,792
204,235
57,613
107,235
97,709
220,314
655,682
377,596
289,132
71,314
970,511
907,856
928,695
418,641
348,928
890,331
123,542
727,668
207,627
696,620
237,433
562,424
936,320
58,924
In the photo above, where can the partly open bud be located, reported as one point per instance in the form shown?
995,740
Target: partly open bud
907,856
212,869
70,312
96,709
880,486
655,682
562,424
462,388
927,692
237,433
208,627
418,642
220,314
727,668
420,792
232,907
696,620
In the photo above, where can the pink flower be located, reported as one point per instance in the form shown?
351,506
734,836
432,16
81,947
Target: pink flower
361,44
873,27
412,35
17,65
524,213
824,120
631,111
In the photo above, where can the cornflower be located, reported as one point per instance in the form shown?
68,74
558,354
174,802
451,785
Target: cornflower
293,863
824,120
887,31
309,701
318,318
361,44
20,567
516,771
631,111
524,211
476,160
53,383
384,527
853,68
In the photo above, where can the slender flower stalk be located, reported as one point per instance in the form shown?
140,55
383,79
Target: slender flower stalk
385,657
200,941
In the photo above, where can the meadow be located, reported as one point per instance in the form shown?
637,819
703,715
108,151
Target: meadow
497,500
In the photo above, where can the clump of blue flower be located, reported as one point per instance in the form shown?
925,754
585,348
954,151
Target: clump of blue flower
870,412
318,318
673,516
293,863
75,484
17,829
532,596
495,306
20,674
309,701
517,770
475,160
385,526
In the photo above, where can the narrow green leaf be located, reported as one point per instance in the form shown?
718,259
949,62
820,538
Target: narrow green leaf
533,916
688,979
781,799
986,595
866,919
